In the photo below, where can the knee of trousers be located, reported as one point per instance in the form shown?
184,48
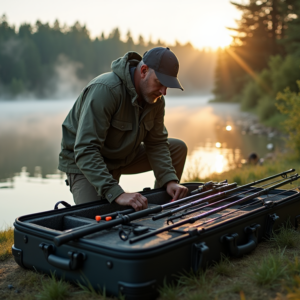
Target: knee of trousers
178,146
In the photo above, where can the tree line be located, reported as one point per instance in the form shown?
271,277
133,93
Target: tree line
263,59
29,57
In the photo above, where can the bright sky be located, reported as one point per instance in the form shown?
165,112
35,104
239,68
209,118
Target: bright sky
201,22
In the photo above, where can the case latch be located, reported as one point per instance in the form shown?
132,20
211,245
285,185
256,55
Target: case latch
271,219
199,254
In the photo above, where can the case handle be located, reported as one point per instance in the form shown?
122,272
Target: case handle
64,203
231,241
75,261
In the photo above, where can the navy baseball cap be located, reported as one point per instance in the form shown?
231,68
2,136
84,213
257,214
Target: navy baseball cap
165,64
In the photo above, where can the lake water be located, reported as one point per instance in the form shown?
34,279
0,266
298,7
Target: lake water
30,134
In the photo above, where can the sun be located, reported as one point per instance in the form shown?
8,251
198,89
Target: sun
214,37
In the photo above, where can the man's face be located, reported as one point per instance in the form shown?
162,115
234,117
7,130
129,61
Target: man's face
150,87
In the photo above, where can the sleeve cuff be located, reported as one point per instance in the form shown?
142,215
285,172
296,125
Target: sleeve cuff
167,178
113,193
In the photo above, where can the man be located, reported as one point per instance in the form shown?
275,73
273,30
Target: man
116,126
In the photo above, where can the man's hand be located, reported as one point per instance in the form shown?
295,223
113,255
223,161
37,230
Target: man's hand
136,200
176,190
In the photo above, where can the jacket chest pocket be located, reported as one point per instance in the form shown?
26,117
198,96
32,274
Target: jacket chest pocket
119,134
121,125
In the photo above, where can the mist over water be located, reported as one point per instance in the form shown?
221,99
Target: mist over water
30,138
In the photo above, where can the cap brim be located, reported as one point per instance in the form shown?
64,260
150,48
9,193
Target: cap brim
169,81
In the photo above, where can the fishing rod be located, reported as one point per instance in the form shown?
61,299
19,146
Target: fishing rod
213,211
265,205
125,219
218,196
231,212
214,203
245,206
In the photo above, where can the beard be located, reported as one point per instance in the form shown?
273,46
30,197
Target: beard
146,94
150,99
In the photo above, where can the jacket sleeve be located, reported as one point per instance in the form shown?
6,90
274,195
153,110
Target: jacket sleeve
157,150
97,109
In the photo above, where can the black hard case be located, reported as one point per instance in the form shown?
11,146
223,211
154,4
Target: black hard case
136,270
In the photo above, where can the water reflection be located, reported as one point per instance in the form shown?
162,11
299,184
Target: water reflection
28,195
30,135
206,160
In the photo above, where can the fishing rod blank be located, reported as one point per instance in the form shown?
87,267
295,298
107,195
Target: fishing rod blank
265,205
198,201
216,202
218,196
231,212
245,206
213,211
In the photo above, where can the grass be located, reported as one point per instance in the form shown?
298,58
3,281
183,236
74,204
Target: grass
224,267
171,291
286,236
30,280
269,270
54,289
6,241
190,286
88,289
201,279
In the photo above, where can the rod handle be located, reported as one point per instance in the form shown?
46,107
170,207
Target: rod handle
69,236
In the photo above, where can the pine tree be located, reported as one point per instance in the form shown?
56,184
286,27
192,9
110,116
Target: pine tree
291,40
263,23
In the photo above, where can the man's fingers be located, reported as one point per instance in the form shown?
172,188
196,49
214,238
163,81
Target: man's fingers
135,203
177,193
138,202
143,200
183,193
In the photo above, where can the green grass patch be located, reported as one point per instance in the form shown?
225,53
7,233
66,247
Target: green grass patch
88,289
54,289
269,270
6,241
171,291
224,267
197,280
286,237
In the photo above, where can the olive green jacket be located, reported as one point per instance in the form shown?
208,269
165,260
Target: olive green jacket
104,130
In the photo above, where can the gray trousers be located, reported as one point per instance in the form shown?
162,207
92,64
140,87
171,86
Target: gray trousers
84,192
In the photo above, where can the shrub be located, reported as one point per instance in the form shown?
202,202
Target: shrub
250,95
288,103
266,108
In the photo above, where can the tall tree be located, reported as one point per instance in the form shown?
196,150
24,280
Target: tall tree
262,25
